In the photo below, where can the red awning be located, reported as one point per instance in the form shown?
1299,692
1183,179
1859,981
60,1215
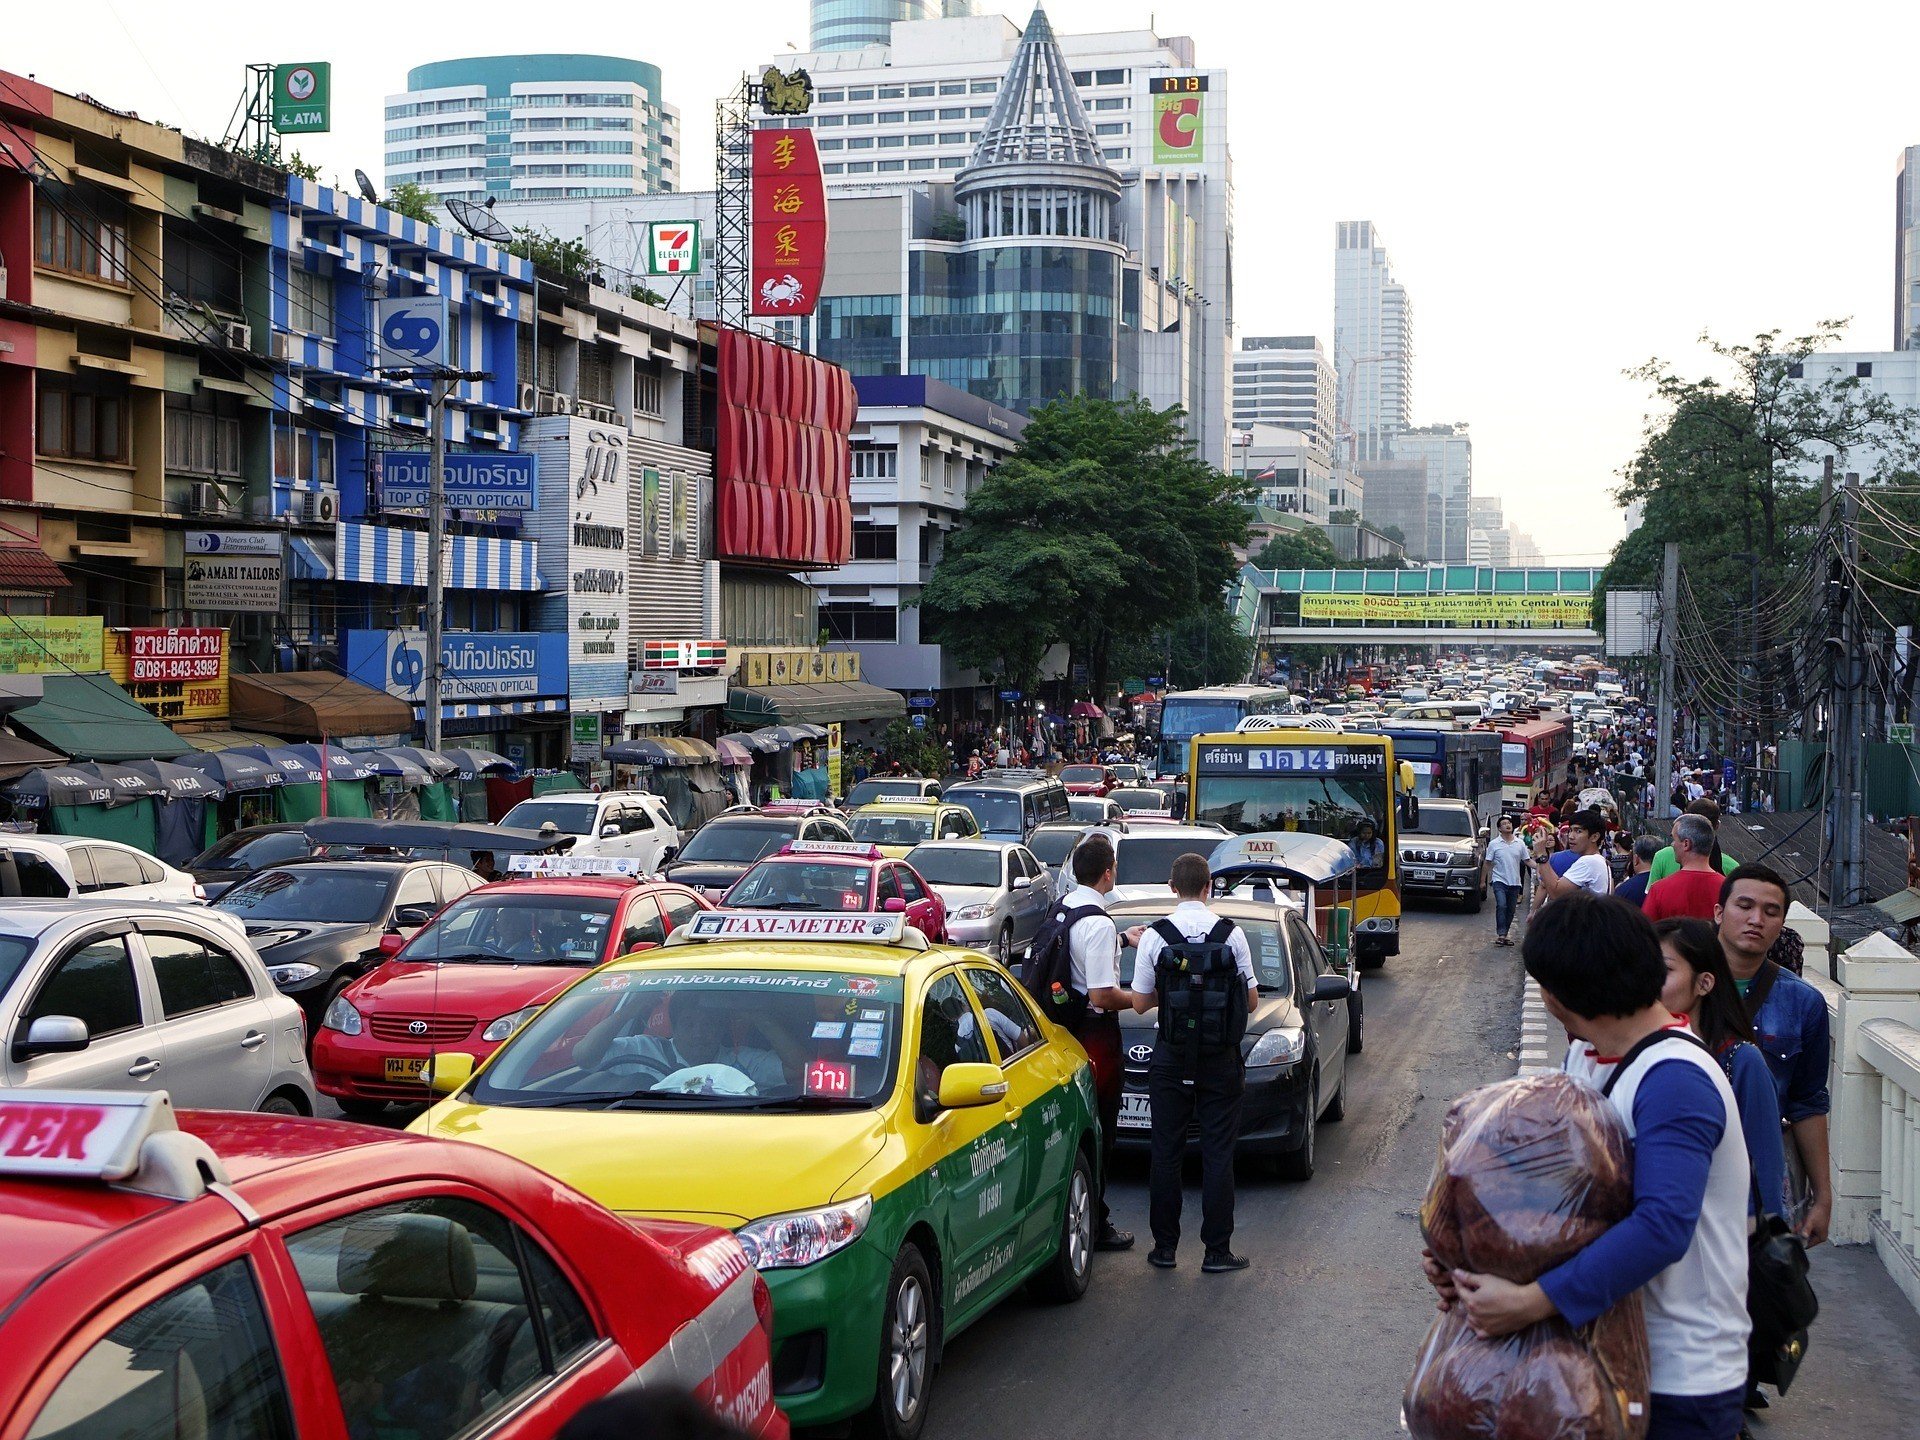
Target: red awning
26,567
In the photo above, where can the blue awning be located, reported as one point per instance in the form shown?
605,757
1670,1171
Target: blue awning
384,555
309,561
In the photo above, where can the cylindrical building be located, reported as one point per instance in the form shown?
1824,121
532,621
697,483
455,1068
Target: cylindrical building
849,24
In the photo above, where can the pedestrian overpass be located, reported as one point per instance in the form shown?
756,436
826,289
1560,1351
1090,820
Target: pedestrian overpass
1476,605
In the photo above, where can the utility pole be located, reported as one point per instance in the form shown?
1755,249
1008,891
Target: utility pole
436,539
1847,870
1669,646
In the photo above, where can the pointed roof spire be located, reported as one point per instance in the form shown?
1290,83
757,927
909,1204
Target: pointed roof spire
1039,117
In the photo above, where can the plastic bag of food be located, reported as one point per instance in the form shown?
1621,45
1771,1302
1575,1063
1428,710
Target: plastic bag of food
1531,1171
1548,1382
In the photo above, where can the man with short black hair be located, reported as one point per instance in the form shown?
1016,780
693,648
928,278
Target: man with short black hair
1633,889
1193,1075
1094,944
1586,831
1692,891
1790,1023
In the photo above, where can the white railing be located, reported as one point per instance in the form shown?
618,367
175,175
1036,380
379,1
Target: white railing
1892,1050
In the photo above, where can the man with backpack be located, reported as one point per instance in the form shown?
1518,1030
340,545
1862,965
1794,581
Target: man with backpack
1198,970
1073,971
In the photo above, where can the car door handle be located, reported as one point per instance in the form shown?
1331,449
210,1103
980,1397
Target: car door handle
142,1068
1015,1111
252,1040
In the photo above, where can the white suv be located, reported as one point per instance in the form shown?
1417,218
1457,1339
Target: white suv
610,822
60,867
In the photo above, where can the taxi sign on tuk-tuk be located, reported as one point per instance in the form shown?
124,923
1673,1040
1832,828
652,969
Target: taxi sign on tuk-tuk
1321,868
873,929
567,867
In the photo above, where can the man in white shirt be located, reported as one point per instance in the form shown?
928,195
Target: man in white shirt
1585,834
1094,947
1182,1087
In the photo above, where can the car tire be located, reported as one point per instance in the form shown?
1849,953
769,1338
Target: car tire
1297,1164
909,1328
1336,1110
1471,904
281,1103
1356,1023
1067,1275
1003,946
360,1109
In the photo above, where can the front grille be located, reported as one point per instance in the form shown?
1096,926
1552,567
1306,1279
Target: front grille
435,1029
1426,857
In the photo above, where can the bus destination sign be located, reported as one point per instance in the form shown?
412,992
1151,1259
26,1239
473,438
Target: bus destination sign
1292,760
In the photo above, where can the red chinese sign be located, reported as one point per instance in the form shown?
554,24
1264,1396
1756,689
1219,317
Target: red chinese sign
175,655
789,223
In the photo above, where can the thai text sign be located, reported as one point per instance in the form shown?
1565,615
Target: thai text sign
473,481
1572,610
179,673
49,644
789,223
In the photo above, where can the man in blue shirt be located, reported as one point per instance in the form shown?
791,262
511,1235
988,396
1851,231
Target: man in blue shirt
1790,1026
1683,1246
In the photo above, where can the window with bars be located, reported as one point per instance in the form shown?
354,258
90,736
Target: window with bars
876,463
646,392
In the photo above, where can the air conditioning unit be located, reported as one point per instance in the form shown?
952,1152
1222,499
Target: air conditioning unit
260,507
529,397
236,334
320,505
282,346
554,403
206,498
617,420
600,414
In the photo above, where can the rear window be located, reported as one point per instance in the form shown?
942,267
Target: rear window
1052,847
736,842
892,829
993,809
956,865
1148,859
802,885
1082,774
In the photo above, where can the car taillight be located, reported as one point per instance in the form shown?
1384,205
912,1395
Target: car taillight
763,1305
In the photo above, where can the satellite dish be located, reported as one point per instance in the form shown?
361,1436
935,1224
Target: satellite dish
478,221
367,192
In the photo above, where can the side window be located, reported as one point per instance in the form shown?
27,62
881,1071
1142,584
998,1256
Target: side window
679,909
1015,1031
833,830
416,888
455,882
889,886
38,879
94,984
1304,943
150,873
80,857
430,1315
642,926
949,1035
635,819
193,975
115,869
911,890
197,1361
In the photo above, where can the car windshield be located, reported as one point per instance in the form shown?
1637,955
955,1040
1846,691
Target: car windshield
736,842
1139,799
801,885
241,851
868,791
1128,773
956,865
333,894
1052,847
705,1039
568,819
1148,859
993,809
892,829
500,928
1091,808
1434,820
1083,775
14,950
1264,939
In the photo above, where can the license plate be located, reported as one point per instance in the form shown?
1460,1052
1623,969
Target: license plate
1136,1112
1422,874
410,1068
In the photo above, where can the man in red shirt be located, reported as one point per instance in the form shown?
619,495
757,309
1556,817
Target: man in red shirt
1693,889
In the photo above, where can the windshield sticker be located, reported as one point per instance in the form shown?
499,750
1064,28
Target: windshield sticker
869,1031
873,1015
863,1048
610,984
793,981
829,1029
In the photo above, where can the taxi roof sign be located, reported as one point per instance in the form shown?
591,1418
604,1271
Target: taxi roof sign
866,928
114,1136
560,867
857,848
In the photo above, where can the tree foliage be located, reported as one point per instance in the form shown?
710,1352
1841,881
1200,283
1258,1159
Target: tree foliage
1102,529
570,259
412,201
1306,549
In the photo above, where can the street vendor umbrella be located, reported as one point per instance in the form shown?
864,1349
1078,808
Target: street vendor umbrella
438,766
180,782
754,742
475,763
1086,710
58,785
232,770
128,782
293,765
392,762
732,750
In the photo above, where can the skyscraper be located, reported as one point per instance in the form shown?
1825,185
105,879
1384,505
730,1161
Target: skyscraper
849,24
533,127
1448,453
1906,251
1285,380
1372,345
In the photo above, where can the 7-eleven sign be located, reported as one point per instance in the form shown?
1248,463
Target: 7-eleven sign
673,247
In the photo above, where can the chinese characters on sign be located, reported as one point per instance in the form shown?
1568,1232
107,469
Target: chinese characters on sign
789,223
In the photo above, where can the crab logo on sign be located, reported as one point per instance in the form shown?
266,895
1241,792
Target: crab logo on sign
783,294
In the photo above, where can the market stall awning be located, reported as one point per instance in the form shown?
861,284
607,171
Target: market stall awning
91,718
213,741
663,751
18,756
313,704
824,704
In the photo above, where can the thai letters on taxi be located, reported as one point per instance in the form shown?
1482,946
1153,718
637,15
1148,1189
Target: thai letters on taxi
893,1131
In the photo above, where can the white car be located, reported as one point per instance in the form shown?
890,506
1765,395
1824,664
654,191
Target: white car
610,822
107,993
63,867
1143,858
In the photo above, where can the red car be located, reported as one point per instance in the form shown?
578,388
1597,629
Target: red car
827,875
468,979
228,1274
1087,779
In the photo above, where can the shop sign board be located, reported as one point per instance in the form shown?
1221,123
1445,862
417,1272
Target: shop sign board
474,481
586,738
506,665
789,208
177,673
234,571
50,644
303,97
799,667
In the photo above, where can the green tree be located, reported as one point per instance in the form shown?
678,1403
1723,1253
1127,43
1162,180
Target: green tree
1102,528
1307,549
1205,649
948,225
412,201
645,294
570,259
914,748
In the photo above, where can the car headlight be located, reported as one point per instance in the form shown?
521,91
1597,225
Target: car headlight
341,1016
507,1024
1281,1046
973,912
292,974
786,1242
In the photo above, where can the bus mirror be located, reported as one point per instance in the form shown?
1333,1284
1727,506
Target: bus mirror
1409,809
1406,775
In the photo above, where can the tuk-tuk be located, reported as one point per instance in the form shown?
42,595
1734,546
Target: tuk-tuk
1317,872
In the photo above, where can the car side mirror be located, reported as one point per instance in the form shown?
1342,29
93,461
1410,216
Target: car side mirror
967,1086
53,1035
609,832
1023,882
449,1071
412,917
390,945
894,905
1485,834
1332,987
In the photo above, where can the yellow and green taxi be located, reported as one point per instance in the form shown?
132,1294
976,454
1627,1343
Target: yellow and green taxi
896,826
895,1132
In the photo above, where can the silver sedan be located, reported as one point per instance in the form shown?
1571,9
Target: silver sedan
996,892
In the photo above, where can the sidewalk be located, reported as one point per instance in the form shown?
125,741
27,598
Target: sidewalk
1862,1372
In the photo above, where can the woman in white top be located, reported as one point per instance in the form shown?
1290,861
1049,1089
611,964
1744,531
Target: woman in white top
1506,866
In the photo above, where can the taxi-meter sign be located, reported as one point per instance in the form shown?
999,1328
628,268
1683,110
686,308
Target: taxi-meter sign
858,848
413,332
871,929
557,867
69,1134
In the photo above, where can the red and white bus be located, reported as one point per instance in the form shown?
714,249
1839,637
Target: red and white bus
1534,755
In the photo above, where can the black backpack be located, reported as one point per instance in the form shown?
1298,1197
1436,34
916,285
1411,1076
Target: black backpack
1047,974
1203,999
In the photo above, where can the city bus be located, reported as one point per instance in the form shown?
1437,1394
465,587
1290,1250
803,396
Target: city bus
1214,710
1452,764
1274,781
1534,755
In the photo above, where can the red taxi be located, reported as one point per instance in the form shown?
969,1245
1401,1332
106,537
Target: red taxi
228,1274
827,875
467,980
1088,779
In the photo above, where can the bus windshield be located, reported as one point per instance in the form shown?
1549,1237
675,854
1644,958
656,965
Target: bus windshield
1336,790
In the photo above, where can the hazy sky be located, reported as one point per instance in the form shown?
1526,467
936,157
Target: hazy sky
1565,191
